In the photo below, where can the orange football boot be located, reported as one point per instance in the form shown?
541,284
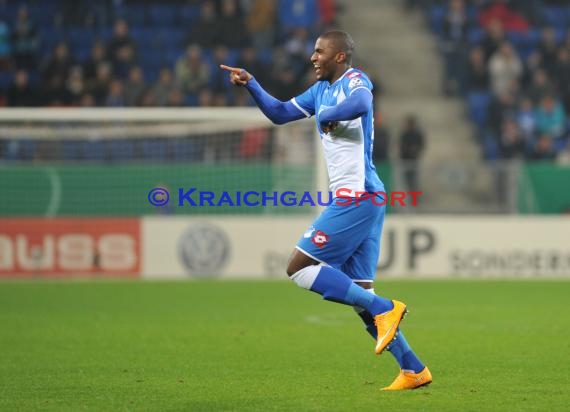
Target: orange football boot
410,380
387,325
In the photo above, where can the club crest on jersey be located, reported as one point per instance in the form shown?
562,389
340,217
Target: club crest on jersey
355,82
320,239
309,232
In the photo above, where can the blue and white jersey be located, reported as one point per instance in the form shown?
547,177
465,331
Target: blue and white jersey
348,148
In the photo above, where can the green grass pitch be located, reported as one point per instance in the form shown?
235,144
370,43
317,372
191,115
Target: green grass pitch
270,346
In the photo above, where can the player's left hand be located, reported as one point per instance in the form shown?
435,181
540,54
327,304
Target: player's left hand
328,127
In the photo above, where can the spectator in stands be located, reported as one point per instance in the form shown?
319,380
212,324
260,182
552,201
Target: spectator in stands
20,93
250,59
327,13
501,10
55,93
543,149
505,67
501,107
283,81
233,31
100,86
540,87
526,118
550,117
412,143
97,57
116,95
135,87
205,31
455,28
494,37
57,65
299,48
164,85
219,82
562,77
512,143
25,40
191,72
261,23
125,60
87,100
548,50
477,73
175,98
121,48
75,85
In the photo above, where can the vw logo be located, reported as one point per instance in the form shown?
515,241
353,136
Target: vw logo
204,249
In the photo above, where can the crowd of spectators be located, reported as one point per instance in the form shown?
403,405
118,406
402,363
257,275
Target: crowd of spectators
116,53
511,61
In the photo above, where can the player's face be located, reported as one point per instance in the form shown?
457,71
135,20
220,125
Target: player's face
325,59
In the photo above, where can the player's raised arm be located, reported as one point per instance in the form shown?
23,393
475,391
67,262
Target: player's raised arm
275,110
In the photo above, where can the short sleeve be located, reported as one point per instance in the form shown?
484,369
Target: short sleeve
357,80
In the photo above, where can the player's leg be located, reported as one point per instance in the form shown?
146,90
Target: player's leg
361,266
332,284
315,265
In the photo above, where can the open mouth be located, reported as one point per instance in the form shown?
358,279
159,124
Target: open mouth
317,69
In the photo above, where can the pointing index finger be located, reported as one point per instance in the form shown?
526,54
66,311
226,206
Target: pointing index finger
231,69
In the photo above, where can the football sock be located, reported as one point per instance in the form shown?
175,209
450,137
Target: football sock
399,348
404,354
336,286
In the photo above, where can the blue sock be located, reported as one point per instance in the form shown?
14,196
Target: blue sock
399,348
334,285
404,354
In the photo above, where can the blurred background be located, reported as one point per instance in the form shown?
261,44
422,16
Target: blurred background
105,100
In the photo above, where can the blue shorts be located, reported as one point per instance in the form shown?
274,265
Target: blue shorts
347,237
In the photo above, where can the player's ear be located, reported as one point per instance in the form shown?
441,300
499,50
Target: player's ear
341,57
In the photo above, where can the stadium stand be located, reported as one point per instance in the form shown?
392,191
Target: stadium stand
149,34
511,62
125,53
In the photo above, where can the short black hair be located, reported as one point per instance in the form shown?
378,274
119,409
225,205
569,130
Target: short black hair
342,41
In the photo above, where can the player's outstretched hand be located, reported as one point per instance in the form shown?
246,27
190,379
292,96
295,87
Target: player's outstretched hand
238,76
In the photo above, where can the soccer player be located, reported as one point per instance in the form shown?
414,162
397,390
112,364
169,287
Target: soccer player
338,254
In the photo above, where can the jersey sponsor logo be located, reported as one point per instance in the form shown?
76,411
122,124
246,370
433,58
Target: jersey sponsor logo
354,74
355,82
320,239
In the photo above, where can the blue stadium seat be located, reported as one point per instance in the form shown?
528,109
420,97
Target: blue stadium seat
475,36
135,14
162,15
478,104
189,13
297,13
556,16
5,80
